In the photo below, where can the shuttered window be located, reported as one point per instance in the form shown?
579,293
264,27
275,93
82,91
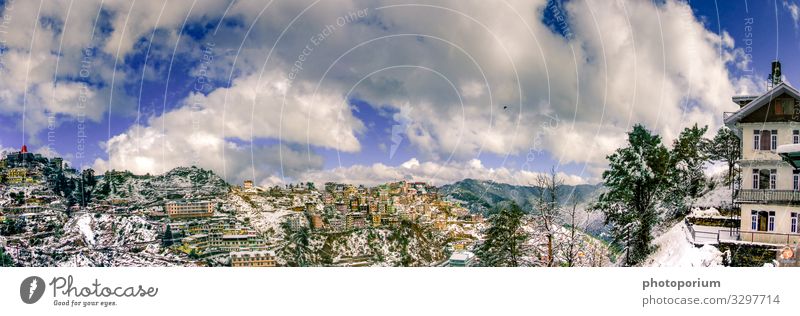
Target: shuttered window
766,140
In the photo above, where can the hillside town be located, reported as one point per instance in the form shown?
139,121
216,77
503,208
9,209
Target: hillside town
53,214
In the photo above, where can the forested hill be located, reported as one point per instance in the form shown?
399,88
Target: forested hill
481,196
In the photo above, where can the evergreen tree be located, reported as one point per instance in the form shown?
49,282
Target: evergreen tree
689,157
5,259
725,147
637,180
505,238
167,239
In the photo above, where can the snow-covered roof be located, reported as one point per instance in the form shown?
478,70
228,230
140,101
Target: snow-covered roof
462,255
783,87
790,153
788,148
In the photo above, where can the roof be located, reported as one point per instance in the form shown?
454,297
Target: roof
761,100
790,153
462,255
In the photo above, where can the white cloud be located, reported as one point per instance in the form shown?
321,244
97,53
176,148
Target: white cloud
478,77
794,11
431,172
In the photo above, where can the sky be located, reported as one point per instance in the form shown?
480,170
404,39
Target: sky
368,92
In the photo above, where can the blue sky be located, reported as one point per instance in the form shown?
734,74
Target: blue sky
492,136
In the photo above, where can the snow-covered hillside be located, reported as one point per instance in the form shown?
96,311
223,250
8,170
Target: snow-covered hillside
675,250
182,182
98,240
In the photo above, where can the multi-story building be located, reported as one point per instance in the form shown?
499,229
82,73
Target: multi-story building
263,258
769,193
189,209
17,175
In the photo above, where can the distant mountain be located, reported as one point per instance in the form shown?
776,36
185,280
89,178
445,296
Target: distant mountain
480,196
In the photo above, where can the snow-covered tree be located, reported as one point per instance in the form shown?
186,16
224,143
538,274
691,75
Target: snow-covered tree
548,209
725,147
574,242
637,180
689,157
505,238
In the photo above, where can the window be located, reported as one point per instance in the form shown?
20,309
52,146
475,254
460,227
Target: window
771,222
795,181
774,140
773,179
783,106
796,137
794,223
764,179
755,179
756,139
765,139
753,220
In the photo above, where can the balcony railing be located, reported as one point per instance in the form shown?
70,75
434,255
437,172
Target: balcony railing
758,237
768,196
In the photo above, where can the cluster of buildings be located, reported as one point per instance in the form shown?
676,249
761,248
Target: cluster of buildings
216,235
23,189
347,207
23,167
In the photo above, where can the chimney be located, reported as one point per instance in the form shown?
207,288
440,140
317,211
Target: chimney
775,75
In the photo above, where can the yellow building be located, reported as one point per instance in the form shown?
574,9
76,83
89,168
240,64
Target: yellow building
17,175
376,220
189,209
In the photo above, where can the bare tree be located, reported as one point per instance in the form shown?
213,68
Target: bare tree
548,209
574,241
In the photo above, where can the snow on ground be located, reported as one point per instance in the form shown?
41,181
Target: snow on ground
709,212
85,227
675,250
714,198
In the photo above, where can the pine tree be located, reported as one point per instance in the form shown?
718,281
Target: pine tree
5,259
167,239
725,147
637,181
688,156
505,238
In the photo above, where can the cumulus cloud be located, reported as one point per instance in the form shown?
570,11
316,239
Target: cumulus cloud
475,77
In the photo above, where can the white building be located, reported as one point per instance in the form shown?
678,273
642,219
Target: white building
769,194
461,259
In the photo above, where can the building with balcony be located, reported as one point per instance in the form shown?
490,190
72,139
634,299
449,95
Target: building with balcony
769,193
189,209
